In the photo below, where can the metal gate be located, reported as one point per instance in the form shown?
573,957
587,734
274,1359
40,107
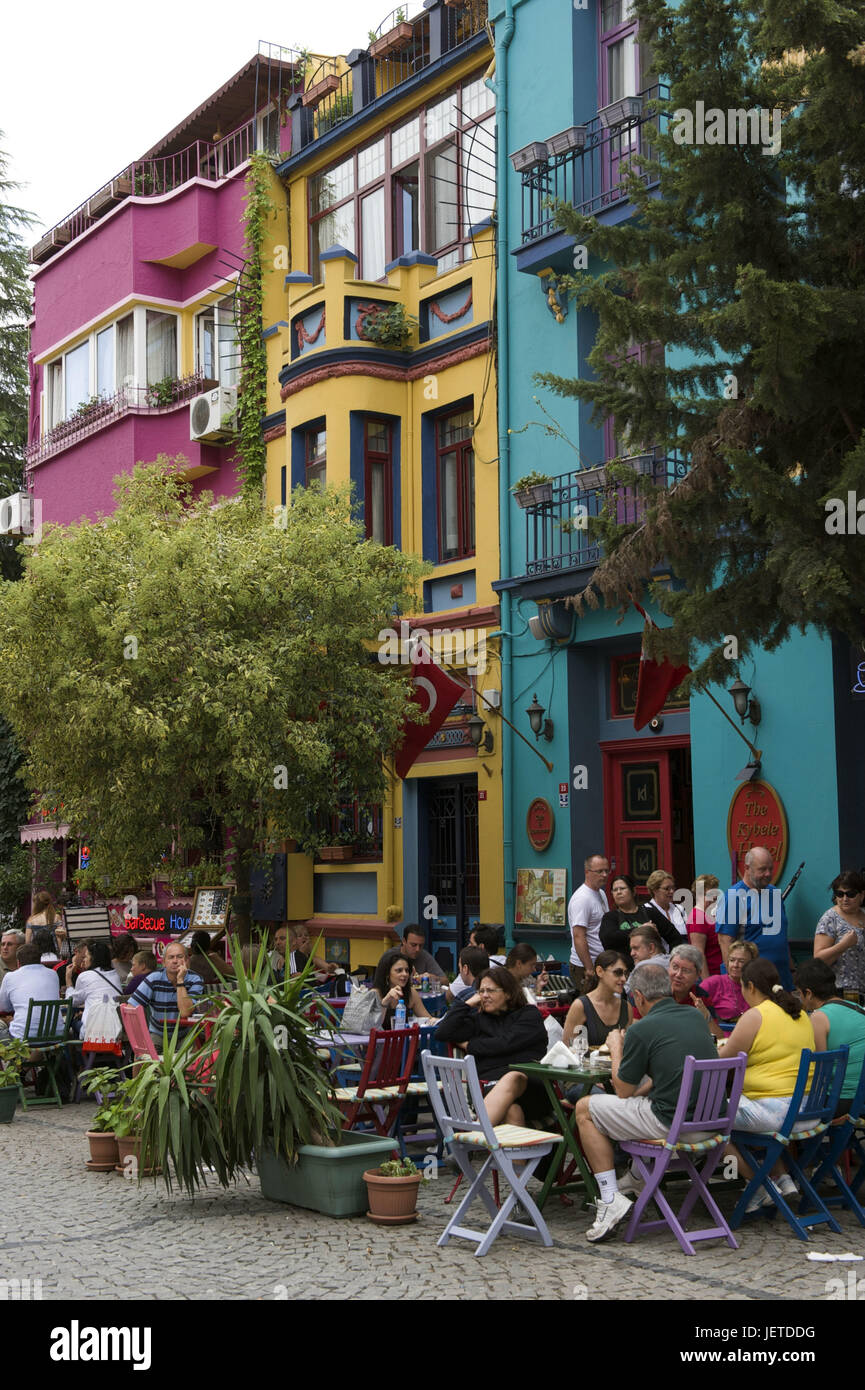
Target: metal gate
450,864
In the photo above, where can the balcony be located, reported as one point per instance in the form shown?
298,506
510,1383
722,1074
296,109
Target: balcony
556,536
591,178
96,415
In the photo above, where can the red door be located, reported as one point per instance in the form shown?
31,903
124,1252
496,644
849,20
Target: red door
647,805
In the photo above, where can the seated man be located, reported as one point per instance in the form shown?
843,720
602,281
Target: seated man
30,981
646,946
655,1048
472,961
300,950
9,945
422,963
488,936
170,993
143,963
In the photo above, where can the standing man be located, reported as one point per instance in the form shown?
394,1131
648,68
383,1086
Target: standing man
170,993
753,909
585,910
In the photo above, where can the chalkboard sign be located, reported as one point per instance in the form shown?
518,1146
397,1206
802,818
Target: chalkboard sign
211,908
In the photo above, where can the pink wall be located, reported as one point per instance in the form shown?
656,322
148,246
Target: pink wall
79,482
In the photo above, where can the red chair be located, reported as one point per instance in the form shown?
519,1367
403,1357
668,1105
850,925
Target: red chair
381,1091
135,1027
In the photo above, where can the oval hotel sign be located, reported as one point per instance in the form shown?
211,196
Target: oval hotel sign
540,823
756,818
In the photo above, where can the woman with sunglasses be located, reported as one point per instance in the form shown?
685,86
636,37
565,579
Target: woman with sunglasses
605,1007
840,937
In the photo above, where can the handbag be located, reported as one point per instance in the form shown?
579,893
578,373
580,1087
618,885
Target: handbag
363,1012
102,1033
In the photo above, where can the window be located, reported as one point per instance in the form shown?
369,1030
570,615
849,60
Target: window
625,62
77,377
419,188
217,345
104,364
161,339
268,131
378,481
316,456
455,470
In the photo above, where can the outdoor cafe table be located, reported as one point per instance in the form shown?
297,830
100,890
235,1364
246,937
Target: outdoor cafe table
586,1078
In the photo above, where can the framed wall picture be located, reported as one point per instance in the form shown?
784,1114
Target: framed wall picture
338,950
541,898
211,907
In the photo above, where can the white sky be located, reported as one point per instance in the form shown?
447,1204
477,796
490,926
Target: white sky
86,88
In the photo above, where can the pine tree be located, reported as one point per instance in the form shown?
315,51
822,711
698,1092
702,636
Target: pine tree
15,302
749,267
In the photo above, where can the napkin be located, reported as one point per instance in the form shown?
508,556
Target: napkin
560,1055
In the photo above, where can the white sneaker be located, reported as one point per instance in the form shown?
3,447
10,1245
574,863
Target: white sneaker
759,1200
786,1186
630,1183
609,1214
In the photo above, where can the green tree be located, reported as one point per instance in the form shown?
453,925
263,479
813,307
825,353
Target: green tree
184,657
749,267
15,301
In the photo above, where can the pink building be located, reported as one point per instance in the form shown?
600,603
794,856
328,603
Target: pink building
134,310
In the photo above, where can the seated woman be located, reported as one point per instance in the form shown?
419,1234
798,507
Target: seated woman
724,992
123,948
628,913
701,923
392,984
498,1027
605,1007
773,1032
835,1021
96,980
522,961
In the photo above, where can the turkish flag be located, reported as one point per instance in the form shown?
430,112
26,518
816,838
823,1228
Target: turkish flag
436,694
655,681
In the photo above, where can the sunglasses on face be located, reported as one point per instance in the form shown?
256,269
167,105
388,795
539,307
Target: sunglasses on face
843,893
621,973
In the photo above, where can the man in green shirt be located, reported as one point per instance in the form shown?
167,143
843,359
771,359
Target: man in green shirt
654,1048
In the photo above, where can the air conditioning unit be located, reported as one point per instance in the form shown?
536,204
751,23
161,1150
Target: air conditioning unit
211,415
16,515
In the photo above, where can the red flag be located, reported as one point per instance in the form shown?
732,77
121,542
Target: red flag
436,694
655,681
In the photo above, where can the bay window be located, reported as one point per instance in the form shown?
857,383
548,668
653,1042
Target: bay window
104,364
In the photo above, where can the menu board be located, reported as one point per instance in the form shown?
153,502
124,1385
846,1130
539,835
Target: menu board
211,908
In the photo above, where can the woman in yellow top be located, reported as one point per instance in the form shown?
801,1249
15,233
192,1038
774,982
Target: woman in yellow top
773,1032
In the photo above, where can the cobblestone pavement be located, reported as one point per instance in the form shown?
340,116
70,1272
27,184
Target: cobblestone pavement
92,1235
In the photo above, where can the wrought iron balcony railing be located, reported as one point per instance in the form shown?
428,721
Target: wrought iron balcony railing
97,414
557,537
593,178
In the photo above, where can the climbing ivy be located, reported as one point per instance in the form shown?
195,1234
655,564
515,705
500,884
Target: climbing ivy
252,396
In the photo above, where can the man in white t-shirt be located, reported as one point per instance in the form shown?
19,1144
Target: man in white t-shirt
585,910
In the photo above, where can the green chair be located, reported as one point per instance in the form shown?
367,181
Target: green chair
48,1031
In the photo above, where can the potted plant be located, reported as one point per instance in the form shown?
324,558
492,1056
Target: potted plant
386,326
123,1108
400,36
104,1153
325,84
255,1094
392,1189
533,489
13,1056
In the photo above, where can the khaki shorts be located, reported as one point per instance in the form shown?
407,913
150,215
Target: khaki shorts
630,1117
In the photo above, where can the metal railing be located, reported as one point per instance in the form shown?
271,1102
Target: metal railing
94,417
557,537
593,178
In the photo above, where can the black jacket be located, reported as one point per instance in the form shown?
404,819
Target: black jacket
495,1041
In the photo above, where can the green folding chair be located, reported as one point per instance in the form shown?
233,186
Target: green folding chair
48,1032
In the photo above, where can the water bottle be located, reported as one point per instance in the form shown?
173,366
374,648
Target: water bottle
399,1015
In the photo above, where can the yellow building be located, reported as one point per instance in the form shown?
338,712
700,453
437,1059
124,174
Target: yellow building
381,372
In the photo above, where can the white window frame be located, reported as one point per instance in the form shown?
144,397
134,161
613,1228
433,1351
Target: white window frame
223,313
139,376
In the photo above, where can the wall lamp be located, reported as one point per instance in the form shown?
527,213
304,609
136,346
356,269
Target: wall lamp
746,708
541,727
480,735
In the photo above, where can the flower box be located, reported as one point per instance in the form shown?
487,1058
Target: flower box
534,496
391,42
51,242
109,196
313,95
620,112
328,1180
529,157
340,853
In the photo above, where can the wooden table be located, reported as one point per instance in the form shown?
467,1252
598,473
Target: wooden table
585,1078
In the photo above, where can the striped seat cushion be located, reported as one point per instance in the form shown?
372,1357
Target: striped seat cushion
507,1137
699,1147
420,1088
349,1093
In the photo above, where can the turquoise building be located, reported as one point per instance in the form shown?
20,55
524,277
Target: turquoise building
571,81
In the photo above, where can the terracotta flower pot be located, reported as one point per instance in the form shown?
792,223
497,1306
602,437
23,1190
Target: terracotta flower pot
392,1201
129,1148
103,1150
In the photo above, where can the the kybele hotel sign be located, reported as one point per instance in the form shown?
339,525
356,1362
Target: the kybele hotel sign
756,817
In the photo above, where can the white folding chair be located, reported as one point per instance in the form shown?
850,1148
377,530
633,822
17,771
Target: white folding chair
465,1133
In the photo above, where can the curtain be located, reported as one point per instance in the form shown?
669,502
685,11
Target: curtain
125,352
55,394
372,236
161,347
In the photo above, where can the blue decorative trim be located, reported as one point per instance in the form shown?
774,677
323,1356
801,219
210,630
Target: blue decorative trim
338,253
410,258
481,226
274,328
298,277
276,417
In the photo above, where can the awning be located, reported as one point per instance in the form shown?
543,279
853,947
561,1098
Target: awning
48,830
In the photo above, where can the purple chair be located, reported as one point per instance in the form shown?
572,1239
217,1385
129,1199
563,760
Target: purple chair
718,1085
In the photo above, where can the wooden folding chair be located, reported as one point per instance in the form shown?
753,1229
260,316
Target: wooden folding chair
465,1133
380,1093
718,1083
47,1032
826,1152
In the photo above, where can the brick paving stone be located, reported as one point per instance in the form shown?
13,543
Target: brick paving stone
73,1229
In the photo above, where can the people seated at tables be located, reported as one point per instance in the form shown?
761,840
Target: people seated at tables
773,1032
604,1007
44,914
522,961
392,984
95,981
9,945
29,981
626,914
653,1048
143,963
701,924
685,962
835,1021
123,948
498,1027
839,940
169,993
489,935
646,947
473,959
723,993
300,949
661,886
413,946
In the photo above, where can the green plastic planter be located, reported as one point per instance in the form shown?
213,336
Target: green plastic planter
325,1180
8,1102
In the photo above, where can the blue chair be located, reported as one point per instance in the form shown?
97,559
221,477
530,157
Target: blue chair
808,1115
825,1151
